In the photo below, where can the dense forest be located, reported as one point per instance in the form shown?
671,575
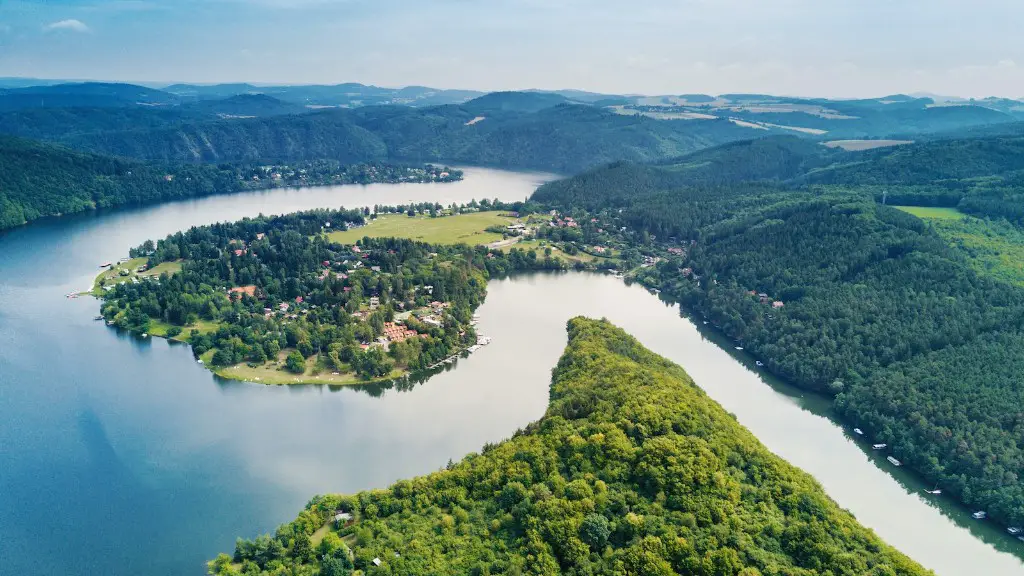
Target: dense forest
275,293
838,294
519,130
632,470
40,180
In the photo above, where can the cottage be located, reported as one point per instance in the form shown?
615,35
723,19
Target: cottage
777,304
239,252
261,236
298,299
374,302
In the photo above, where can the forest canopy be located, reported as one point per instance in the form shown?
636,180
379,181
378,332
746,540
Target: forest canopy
632,470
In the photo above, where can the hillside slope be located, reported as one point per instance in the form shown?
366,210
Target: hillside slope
632,470
44,180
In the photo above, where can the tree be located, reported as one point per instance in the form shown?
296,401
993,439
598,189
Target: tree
594,531
295,363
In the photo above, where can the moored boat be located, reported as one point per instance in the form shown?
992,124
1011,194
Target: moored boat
878,446
858,431
893,461
979,515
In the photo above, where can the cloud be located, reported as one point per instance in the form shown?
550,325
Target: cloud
70,24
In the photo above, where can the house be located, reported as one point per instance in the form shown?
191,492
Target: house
298,299
516,227
374,302
261,236
356,249
777,304
283,306
686,271
676,251
375,268
376,561
600,249
239,252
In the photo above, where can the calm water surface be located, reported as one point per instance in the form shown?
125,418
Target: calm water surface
124,457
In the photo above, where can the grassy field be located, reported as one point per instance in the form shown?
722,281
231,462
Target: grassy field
461,228
929,213
158,328
112,276
275,373
994,248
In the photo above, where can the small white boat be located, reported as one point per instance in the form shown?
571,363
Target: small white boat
893,461
979,515
1013,530
935,492
858,431
144,335
878,446
759,363
200,360
739,347
705,322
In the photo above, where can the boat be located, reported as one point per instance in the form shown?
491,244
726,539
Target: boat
1021,538
705,322
200,360
759,363
1013,530
106,265
935,492
878,446
144,335
858,431
98,318
893,461
739,347
979,515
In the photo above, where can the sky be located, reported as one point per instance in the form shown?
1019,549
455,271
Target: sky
830,48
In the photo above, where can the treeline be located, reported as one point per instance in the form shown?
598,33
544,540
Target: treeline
867,296
632,470
39,180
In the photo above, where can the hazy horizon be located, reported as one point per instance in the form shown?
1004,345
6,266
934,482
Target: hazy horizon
843,48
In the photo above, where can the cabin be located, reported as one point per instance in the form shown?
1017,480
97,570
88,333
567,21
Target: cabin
777,304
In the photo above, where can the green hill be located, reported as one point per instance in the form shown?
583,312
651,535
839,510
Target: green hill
632,470
44,180
562,138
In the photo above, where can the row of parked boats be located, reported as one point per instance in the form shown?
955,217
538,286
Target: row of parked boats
979,515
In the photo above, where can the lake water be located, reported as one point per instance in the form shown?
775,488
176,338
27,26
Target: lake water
124,457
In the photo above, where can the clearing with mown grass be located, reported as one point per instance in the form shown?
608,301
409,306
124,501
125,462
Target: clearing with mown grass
114,275
932,213
457,229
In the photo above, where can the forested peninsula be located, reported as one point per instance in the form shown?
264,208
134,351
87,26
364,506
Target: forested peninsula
632,470
41,179
273,300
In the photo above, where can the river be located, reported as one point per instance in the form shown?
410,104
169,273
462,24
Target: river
120,456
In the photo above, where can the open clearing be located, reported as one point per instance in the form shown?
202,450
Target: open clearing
113,276
932,213
994,249
859,145
461,228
